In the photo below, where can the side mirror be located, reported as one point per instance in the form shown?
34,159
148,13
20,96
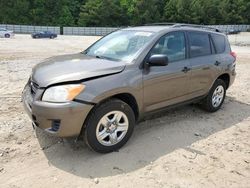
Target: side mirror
158,60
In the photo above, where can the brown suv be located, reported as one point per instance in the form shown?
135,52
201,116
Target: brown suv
103,91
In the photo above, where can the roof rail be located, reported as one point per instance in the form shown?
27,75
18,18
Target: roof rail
197,26
160,24
183,25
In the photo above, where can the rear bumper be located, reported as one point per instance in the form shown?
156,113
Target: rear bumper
232,78
232,74
59,119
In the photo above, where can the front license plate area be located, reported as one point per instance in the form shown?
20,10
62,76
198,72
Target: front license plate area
28,99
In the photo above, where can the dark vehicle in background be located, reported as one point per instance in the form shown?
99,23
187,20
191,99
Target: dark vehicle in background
102,92
44,34
233,32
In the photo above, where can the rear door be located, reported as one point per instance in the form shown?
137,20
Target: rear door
202,59
222,54
169,84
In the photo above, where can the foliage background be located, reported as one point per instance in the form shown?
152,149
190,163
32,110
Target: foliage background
123,12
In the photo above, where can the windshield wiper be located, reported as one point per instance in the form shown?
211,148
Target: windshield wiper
99,57
104,57
84,52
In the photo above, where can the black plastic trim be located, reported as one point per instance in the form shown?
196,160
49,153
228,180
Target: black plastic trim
83,102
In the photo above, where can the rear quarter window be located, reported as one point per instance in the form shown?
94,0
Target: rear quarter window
219,43
199,44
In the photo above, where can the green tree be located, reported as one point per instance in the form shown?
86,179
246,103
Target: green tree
246,11
65,17
183,11
13,11
123,12
196,10
74,7
147,11
51,12
102,13
212,13
128,6
233,12
171,11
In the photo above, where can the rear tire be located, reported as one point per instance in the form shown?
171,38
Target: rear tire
109,126
7,35
215,97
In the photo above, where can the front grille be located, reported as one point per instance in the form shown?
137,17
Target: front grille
33,88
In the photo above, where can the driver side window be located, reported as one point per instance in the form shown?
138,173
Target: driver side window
172,45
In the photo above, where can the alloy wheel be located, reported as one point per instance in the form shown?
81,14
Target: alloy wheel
112,128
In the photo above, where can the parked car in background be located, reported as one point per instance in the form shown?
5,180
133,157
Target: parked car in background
44,34
128,74
233,32
6,33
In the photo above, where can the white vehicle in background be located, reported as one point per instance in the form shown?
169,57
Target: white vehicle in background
6,33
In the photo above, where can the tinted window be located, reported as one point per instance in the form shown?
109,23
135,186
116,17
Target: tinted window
219,43
199,44
172,45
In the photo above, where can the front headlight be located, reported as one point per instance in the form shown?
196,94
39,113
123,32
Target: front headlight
63,93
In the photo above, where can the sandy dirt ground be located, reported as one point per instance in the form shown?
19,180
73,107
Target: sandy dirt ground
183,147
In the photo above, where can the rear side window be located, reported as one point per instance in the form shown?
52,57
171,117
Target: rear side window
199,44
219,43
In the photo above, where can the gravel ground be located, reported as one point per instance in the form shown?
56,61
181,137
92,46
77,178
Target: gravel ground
183,147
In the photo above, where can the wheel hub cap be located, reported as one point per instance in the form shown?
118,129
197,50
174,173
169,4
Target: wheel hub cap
218,96
112,128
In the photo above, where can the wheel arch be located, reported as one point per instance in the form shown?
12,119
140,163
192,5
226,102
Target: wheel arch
125,97
130,100
226,78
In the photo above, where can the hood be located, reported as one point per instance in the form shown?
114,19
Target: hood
73,67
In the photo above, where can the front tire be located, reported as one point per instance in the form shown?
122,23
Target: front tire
215,97
109,126
7,35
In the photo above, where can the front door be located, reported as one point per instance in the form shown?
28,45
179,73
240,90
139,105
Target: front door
169,84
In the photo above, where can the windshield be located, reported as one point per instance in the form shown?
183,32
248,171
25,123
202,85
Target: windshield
120,45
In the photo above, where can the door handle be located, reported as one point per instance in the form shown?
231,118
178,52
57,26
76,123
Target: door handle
217,63
186,69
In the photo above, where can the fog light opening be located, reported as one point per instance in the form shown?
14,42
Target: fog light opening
55,125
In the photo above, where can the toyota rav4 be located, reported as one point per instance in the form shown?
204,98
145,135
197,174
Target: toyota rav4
103,91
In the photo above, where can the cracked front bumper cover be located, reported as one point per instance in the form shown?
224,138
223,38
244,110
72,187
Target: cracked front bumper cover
71,115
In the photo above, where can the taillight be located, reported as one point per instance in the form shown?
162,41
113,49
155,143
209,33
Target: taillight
233,54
